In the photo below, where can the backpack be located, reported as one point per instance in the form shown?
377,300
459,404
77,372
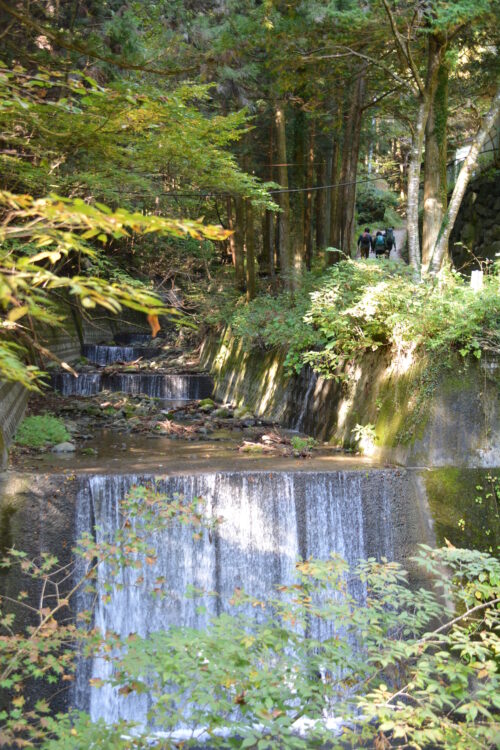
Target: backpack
389,237
380,243
366,240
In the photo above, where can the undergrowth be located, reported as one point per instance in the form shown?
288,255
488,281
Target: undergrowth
361,306
40,430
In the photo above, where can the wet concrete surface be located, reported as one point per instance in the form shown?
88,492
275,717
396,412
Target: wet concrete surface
128,454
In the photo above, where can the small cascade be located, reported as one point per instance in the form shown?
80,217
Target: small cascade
269,520
156,385
171,387
299,424
86,384
106,355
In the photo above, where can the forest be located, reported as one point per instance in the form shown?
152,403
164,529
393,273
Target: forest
219,170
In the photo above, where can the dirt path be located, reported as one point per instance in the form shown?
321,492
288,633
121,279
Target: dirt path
400,237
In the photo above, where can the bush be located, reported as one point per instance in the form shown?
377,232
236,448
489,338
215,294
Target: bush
41,430
356,307
371,204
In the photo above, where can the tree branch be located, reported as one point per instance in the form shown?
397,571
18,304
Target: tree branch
403,49
72,46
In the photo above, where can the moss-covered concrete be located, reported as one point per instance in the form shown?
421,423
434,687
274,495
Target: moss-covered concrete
464,505
421,412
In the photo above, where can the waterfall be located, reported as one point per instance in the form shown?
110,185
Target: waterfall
269,520
155,385
305,404
86,384
107,355
175,387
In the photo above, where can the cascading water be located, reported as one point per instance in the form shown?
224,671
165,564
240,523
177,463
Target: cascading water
86,384
107,355
305,404
169,387
175,387
269,520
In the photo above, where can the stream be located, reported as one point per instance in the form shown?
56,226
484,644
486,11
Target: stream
133,425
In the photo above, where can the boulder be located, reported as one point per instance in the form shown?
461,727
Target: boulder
64,448
222,412
242,412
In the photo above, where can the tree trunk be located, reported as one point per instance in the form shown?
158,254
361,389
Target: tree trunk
285,250
448,223
425,98
334,198
349,190
239,244
250,248
309,171
342,222
435,192
321,205
230,225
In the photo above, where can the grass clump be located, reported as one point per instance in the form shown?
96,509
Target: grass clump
41,430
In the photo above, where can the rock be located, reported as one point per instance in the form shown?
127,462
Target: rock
206,408
89,451
64,448
468,233
222,412
206,402
242,412
495,248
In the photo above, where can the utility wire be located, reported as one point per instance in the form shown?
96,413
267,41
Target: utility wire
170,194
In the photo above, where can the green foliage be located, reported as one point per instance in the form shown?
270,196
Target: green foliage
38,238
365,436
396,663
358,307
372,204
302,446
40,430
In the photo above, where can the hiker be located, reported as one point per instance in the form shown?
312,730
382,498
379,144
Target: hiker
379,245
390,240
365,243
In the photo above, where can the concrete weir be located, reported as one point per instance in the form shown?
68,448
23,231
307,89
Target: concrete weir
155,385
268,520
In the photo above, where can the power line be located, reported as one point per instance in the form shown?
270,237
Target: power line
276,191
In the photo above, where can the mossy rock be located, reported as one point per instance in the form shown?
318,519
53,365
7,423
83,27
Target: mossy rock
205,402
242,412
222,413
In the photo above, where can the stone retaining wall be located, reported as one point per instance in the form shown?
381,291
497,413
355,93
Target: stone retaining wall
450,419
478,223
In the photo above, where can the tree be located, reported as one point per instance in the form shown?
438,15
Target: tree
441,244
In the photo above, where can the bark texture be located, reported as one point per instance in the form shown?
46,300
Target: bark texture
250,248
435,192
239,243
342,221
425,98
285,250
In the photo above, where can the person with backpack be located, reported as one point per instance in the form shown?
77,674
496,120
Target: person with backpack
390,240
379,244
365,243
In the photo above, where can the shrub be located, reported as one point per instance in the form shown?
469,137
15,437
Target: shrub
371,204
356,307
43,429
